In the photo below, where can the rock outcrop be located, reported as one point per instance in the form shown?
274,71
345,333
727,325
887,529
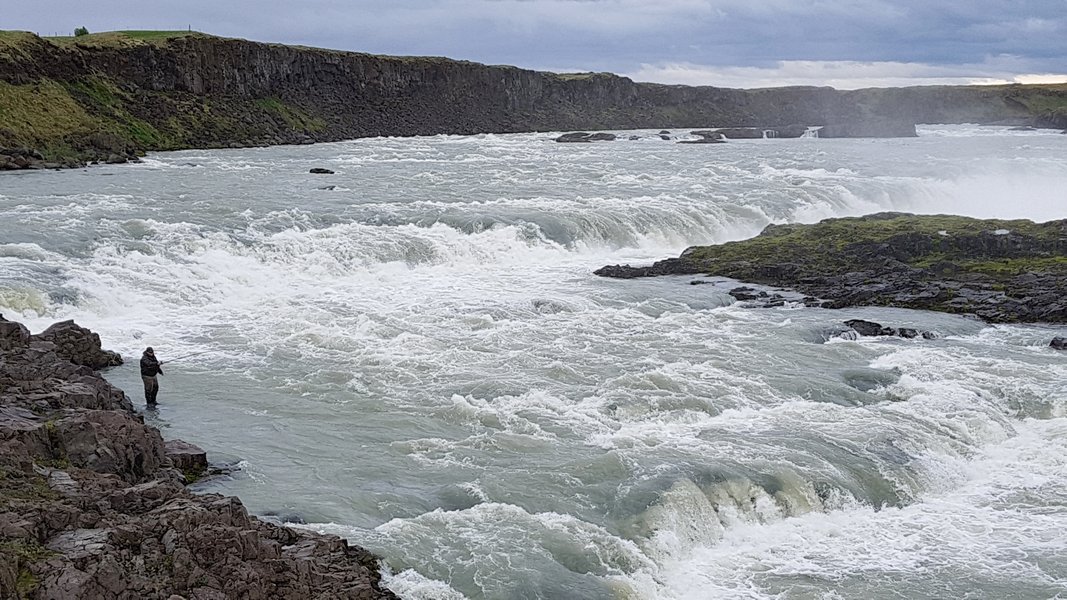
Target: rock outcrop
111,96
1000,271
93,506
583,137
79,345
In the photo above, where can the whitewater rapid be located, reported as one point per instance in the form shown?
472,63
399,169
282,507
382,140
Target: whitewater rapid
413,353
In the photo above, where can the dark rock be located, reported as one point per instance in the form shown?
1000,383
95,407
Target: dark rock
321,171
671,266
744,293
706,137
579,137
79,345
1000,271
91,506
328,188
188,458
583,137
116,159
870,328
1059,343
664,132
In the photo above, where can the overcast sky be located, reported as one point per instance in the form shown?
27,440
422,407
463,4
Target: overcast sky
733,43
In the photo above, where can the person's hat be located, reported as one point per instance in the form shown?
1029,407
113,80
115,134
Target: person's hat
149,350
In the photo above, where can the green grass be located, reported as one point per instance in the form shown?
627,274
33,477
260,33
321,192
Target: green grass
121,39
25,553
831,246
295,118
39,113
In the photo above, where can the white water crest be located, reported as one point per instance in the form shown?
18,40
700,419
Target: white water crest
413,353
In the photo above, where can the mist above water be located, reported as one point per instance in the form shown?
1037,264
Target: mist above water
419,359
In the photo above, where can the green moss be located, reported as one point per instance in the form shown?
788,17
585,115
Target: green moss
1010,267
295,118
24,553
34,114
941,247
826,242
191,476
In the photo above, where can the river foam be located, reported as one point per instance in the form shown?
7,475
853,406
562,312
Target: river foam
419,359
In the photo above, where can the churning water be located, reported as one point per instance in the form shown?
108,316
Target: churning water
413,353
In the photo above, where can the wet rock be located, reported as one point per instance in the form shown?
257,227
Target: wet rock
870,328
320,171
743,293
91,506
188,458
79,345
670,266
706,137
1058,343
584,137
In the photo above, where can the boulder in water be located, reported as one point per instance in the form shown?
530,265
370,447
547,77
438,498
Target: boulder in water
870,328
188,458
320,171
584,137
1059,343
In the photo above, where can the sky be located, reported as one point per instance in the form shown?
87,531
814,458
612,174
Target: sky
729,43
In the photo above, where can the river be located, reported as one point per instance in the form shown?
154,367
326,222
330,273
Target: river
413,353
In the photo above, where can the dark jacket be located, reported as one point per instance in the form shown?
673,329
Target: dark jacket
150,366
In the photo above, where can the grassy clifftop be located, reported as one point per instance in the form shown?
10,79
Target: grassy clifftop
118,93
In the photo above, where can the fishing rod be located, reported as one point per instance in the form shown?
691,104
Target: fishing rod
184,356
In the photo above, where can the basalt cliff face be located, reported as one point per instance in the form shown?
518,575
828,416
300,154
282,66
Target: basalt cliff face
93,503
109,96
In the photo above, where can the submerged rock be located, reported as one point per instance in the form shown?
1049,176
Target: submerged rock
320,171
1059,343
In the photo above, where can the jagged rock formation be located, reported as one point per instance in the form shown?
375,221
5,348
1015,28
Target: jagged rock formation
92,505
109,96
1001,271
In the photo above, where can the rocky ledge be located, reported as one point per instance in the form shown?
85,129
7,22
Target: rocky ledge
93,503
1000,271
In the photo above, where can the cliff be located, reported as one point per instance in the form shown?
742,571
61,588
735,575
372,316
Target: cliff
1000,271
93,503
116,94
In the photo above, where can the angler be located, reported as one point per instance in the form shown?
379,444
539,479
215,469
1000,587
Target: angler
150,367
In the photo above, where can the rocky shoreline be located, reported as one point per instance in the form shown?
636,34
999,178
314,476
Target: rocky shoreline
93,503
999,271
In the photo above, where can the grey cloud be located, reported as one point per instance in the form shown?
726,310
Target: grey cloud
613,35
